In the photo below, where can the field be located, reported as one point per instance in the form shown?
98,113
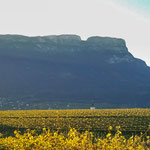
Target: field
131,121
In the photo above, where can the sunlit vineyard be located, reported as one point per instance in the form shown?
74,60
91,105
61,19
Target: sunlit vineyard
60,122
128,119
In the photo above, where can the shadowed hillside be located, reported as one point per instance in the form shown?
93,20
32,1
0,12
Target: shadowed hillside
67,69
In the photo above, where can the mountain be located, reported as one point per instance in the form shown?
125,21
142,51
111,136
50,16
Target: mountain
68,70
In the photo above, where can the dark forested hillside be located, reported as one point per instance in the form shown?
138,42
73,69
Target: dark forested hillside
69,70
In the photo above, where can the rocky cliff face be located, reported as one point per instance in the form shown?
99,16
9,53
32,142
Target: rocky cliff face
14,41
66,68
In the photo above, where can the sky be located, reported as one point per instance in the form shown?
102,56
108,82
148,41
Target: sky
127,19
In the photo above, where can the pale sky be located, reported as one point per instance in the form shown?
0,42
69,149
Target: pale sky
127,19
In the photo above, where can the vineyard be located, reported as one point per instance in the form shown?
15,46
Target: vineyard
94,120
92,124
